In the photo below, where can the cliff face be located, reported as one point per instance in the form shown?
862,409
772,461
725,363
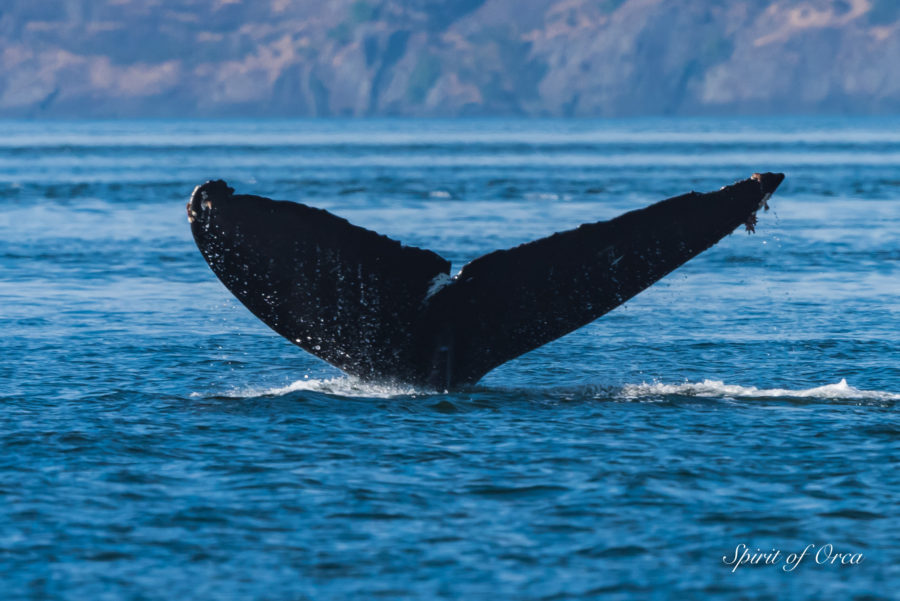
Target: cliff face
447,57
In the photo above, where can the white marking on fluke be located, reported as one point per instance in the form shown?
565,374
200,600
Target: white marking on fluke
437,282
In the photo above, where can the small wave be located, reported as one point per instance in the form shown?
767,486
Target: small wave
717,388
350,387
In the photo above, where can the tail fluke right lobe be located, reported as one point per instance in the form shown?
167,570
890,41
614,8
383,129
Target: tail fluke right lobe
509,302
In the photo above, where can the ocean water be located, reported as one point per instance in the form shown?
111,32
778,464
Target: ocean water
159,442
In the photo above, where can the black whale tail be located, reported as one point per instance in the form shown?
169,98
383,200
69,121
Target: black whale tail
379,310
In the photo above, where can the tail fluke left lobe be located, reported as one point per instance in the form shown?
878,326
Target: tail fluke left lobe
343,293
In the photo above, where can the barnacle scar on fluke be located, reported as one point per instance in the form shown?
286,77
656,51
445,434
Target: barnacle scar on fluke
752,219
380,310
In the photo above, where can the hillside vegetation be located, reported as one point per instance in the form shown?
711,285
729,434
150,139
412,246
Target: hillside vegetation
114,58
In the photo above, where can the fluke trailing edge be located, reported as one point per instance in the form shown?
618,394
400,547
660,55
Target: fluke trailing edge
383,311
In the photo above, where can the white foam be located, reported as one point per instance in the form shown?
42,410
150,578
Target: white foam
717,388
344,386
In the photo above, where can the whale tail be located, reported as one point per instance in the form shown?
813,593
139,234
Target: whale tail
379,310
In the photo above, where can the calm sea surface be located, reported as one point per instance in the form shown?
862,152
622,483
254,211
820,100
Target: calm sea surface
159,442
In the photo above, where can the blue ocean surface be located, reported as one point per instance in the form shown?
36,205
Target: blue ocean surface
157,441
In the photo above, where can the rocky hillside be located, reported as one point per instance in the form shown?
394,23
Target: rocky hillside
447,57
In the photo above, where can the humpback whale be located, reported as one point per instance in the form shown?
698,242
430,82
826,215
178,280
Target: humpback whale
379,310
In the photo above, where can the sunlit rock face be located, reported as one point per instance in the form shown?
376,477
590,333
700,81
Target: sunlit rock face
447,58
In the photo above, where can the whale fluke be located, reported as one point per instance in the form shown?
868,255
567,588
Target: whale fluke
380,310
